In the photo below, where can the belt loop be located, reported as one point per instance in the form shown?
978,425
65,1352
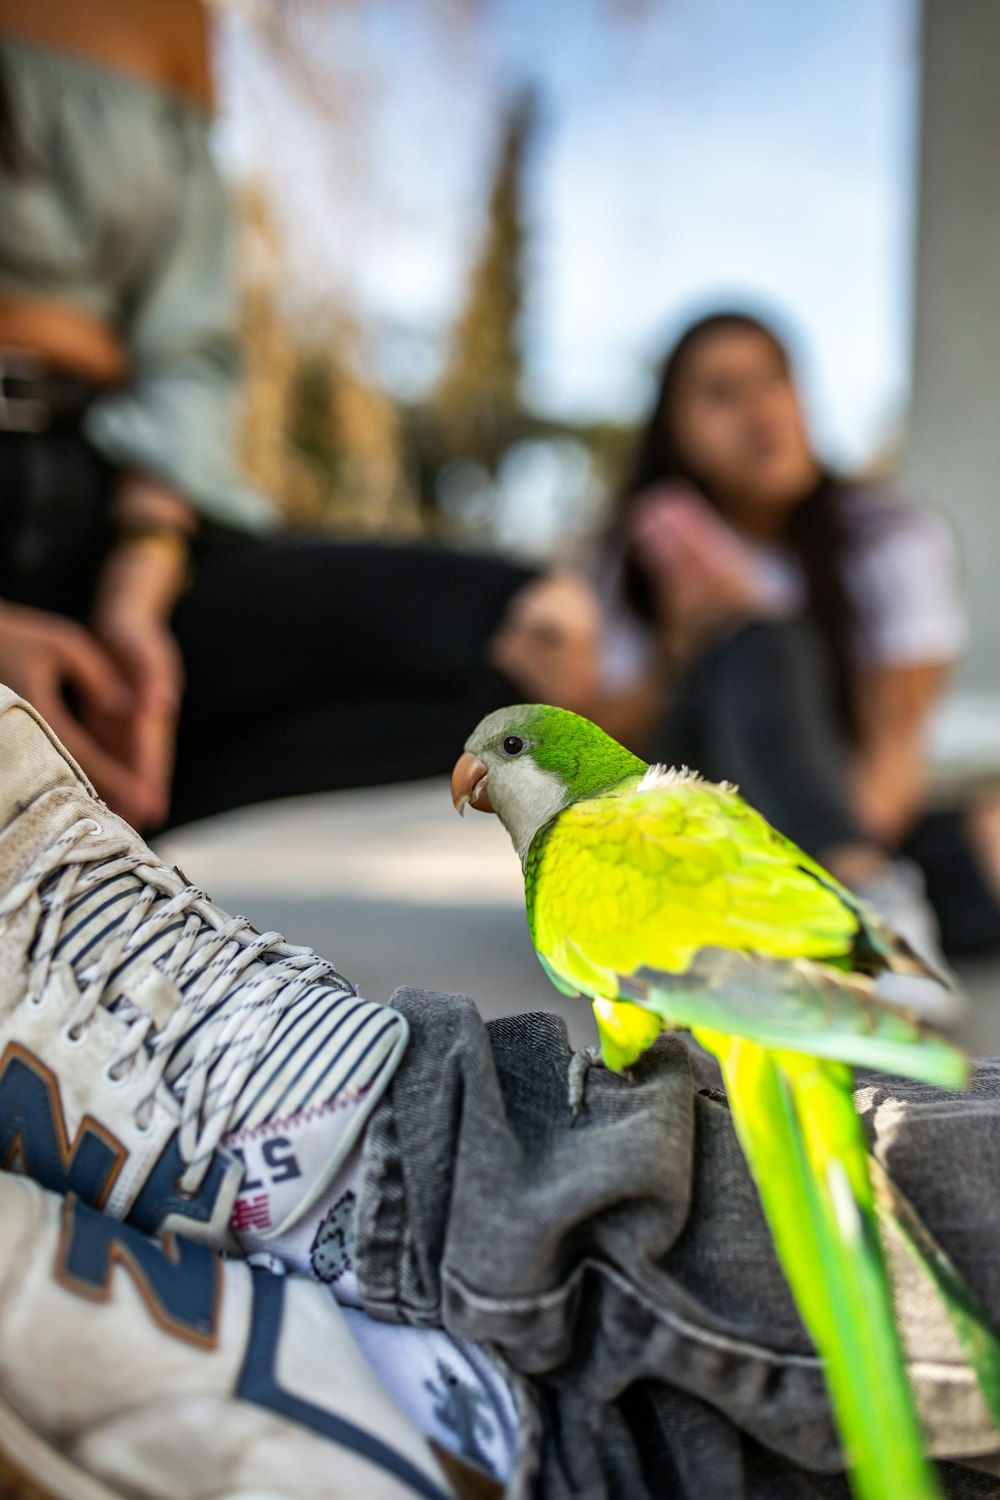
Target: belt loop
22,413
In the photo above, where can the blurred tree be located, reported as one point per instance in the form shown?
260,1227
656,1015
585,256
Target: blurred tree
337,451
475,429
347,429
271,360
319,438
479,398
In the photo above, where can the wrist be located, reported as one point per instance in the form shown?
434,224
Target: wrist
143,503
144,575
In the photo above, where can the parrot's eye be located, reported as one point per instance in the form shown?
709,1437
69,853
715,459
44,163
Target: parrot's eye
513,745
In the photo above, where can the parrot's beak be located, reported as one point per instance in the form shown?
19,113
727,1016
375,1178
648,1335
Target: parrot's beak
468,784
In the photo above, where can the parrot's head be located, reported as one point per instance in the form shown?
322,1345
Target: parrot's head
528,762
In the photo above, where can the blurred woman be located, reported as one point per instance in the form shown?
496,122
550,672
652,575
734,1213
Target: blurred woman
190,660
780,627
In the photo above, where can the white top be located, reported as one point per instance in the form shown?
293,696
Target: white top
901,575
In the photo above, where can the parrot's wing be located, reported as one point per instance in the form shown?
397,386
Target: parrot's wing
683,900
658,874
652,877
877,946
800,1006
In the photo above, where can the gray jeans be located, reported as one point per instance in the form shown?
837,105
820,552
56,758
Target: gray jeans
623,1271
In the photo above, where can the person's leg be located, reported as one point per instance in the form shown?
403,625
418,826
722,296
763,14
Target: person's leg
54,519
623,1263
622,1266
756,710
314,665
958,850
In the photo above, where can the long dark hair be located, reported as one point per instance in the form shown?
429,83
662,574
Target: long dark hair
815,531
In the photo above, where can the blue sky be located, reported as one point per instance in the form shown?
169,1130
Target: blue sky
692,152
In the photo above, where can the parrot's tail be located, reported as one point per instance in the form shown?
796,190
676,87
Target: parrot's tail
804,1142
969,1318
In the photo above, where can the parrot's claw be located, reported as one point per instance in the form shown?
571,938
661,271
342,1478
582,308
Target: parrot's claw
580,1065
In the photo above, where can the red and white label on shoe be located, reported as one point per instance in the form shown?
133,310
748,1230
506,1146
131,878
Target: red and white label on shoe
290,1163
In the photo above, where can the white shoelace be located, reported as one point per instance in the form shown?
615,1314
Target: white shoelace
210,954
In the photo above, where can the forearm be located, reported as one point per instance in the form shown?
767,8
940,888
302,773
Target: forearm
144,575
892,770
149,566
889,790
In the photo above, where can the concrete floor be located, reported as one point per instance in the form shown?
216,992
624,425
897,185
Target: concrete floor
396,889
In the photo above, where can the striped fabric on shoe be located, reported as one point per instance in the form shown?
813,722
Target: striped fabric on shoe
322,1042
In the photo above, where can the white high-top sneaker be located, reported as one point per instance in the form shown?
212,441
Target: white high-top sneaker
131,1370
141,1027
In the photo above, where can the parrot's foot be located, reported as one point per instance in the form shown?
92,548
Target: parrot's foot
580,1065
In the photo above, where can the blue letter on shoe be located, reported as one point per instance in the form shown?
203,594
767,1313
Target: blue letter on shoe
180,1281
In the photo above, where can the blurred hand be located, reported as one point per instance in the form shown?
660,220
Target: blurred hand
703,574
549,642
41,656
143,736
129,620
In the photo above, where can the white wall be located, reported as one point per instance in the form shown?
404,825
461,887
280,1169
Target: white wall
952,453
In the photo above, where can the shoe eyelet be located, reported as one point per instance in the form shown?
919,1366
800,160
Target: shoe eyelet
73,1036
36,1001
183,1192
113,1078
140,1127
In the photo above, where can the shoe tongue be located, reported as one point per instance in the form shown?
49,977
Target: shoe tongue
32,758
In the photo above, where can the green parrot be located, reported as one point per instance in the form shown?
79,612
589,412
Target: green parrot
673,904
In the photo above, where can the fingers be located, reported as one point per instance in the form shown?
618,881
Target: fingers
43,654
563,599
78,662
673,526
144,738
557,613
120,788
92,671
510,653
685,539
153,742
156,727
153,726
550,672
